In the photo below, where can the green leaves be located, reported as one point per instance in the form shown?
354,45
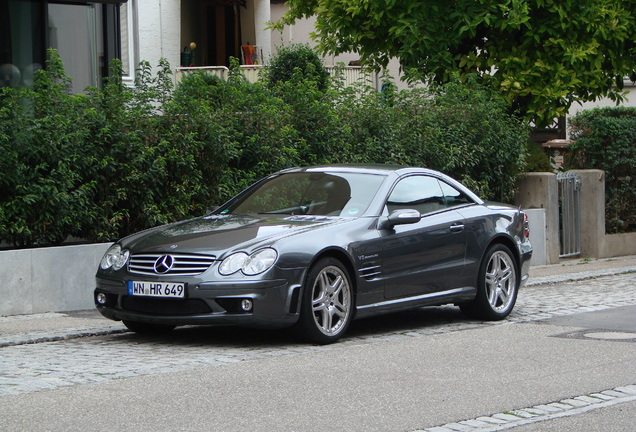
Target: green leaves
121,160
606,140
581,45
43,184
296,59
463,130
89,166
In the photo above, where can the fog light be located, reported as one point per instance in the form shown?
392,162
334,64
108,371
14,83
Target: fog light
102,299
246,305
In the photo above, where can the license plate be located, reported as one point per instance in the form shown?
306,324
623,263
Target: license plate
156,289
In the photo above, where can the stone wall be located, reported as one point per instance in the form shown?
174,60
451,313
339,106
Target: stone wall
53,279
539,191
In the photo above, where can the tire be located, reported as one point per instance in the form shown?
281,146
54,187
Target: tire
148,329
497,286
327,303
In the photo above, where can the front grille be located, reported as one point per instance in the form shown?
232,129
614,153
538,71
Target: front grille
180,264
165,307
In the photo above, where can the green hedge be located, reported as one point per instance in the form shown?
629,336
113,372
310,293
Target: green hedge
605,139
118,160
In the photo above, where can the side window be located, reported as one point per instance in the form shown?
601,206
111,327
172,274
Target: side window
452,196
421,193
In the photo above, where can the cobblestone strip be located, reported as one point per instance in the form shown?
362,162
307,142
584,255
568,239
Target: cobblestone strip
540,302
45,366
539,413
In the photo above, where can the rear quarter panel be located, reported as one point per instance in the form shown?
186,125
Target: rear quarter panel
490,223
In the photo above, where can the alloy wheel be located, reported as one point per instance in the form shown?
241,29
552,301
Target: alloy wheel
501,281
331,300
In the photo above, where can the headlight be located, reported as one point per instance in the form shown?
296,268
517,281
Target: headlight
233,263
251,265
114,257
259,261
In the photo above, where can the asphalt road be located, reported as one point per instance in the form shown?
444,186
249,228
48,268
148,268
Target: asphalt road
430,369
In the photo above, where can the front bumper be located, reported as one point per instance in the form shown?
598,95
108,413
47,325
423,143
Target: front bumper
275,304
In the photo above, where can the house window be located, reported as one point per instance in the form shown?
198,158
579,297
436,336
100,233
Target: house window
84,33
21,42
83,57
127,34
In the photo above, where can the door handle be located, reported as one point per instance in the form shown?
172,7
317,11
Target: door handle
457,227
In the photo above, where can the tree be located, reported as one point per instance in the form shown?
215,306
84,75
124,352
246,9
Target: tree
543,55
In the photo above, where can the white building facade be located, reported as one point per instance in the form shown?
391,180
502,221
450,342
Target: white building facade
220,28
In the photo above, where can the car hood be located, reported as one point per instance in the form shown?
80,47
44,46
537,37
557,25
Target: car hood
214,234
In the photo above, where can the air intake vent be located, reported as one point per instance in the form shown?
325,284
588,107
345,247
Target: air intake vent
170,264
165,307
369,272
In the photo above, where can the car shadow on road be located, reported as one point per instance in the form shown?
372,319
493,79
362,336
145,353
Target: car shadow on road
229,336
405,321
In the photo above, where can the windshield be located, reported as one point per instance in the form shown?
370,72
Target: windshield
307,193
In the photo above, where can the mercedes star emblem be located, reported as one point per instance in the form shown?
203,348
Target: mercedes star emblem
163,264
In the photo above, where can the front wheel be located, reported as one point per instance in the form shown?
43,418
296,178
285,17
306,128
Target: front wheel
497,286
327,303
148,329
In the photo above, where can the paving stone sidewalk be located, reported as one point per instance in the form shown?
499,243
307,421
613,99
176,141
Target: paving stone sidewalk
52,326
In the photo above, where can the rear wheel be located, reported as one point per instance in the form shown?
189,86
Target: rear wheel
327,303
497,286
147,328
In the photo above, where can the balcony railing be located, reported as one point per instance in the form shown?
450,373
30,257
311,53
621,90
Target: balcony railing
351,74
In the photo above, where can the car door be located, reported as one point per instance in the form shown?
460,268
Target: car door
427,256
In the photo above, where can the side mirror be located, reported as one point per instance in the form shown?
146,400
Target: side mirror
400,217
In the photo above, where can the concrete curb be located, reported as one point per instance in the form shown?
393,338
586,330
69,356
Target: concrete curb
539,413
55,326
582,275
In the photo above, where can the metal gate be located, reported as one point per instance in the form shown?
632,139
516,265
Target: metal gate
569,214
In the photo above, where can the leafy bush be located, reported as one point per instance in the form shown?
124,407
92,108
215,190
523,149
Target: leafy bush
120,159
145,177
294,59
96,167
537,160
46,186
464,131
241,130
605,139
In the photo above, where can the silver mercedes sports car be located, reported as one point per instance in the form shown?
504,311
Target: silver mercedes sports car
317,247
